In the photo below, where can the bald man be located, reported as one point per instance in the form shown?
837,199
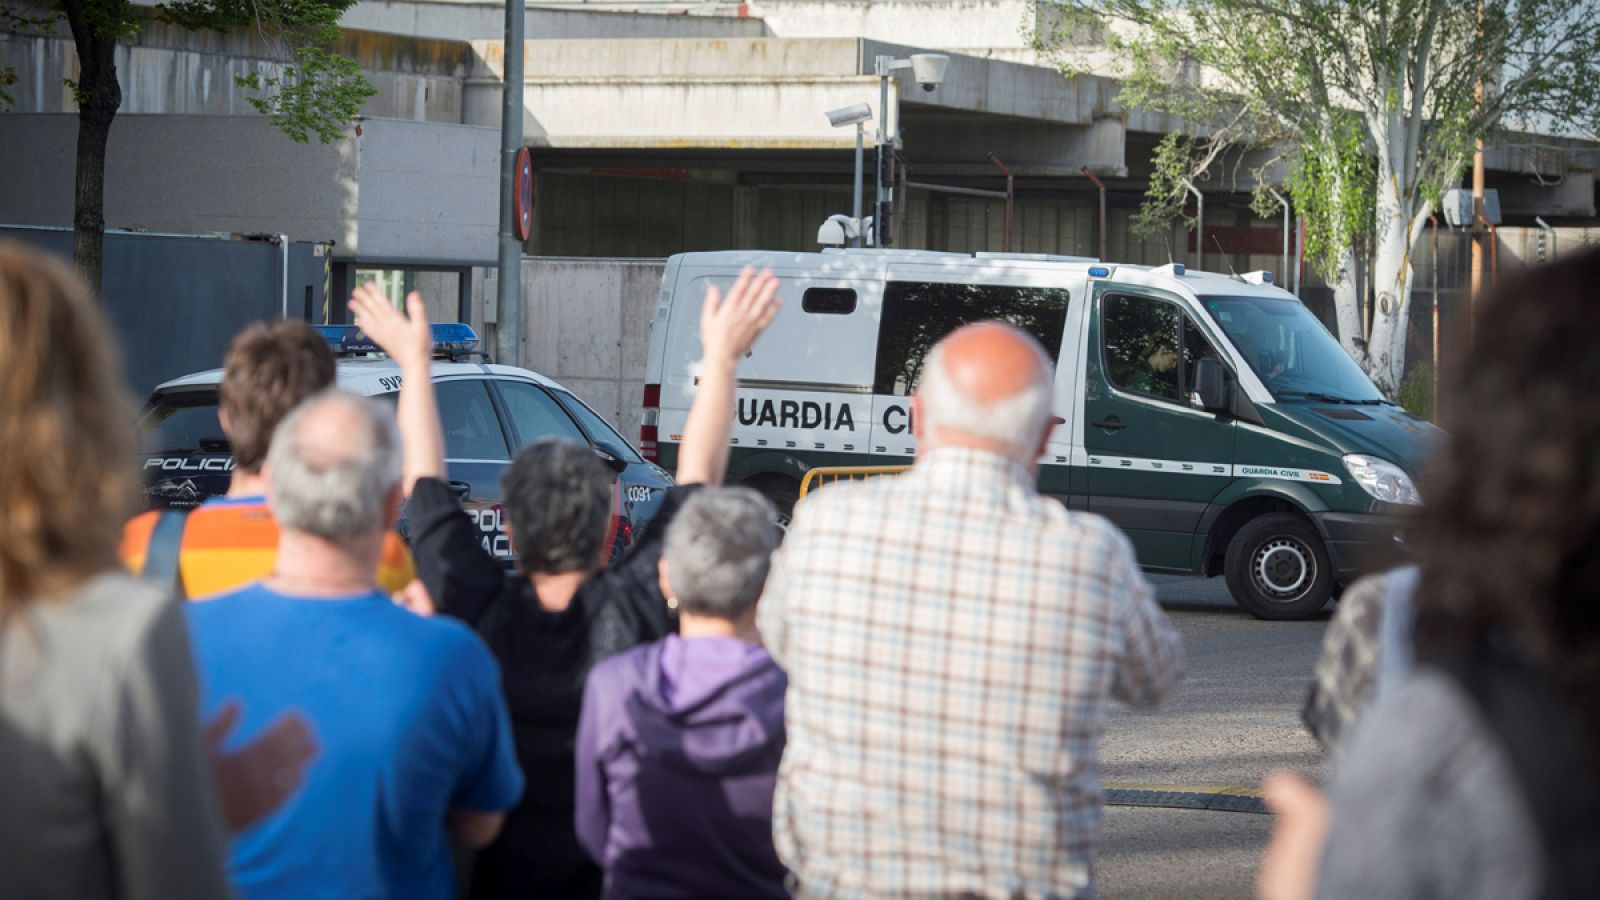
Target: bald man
413,730
952,639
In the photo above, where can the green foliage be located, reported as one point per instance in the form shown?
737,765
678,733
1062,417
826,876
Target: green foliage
1340,90
1334,184
319,92
1416,392
315,90
116,20
12,21
1165,197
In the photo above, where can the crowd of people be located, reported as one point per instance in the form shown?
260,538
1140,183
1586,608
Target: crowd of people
274,695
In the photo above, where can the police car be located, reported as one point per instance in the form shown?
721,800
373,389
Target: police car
487,411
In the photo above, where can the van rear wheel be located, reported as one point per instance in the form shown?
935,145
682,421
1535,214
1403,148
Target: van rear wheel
783,492
1278,569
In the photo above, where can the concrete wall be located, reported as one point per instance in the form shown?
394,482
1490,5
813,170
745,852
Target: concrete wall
476,20
168,69
993,28
586,323
382,193
428,193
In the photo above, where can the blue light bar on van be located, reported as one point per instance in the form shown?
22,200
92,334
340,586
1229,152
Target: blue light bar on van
1178,269
347,340
1260,276
1098,271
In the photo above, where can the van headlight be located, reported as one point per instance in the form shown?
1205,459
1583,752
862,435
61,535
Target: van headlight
1382,479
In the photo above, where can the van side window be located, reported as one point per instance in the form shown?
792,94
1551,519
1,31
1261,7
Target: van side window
1195,348
829,301
916,315
1142,340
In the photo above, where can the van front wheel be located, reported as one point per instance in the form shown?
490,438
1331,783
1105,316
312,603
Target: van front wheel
1277,568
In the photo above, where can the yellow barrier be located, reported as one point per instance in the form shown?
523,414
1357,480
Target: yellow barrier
828,474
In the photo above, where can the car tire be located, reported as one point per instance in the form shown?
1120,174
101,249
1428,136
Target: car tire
783,493
1278,569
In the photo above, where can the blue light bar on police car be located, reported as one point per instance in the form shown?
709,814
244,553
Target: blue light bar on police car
347,340
1099,271
1260,276
454,337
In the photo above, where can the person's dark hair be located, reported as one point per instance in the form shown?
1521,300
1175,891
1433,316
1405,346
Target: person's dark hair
269,368
557,499
1510,525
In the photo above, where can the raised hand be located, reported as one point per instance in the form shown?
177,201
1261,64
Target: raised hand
404,336
729,325
409,342
253,781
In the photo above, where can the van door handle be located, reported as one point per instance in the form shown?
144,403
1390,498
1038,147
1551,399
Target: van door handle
461,489
1111,424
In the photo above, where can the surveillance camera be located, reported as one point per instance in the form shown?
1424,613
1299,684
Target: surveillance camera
838,230
849,115
928,69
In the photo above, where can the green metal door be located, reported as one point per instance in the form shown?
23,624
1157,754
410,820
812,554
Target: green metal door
1155,461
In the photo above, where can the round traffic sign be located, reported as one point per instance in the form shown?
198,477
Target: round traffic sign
524,194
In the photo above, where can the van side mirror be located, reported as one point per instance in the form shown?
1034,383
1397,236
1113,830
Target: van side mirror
612,457
1210,386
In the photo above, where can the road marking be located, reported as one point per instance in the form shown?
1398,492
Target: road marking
1174,796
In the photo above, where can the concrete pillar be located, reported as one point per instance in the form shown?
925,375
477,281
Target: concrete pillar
746,208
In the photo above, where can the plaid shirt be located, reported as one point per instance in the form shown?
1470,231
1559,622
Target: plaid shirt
951,640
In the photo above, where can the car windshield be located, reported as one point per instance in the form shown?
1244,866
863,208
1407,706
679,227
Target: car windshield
184,421
1290,351
598,427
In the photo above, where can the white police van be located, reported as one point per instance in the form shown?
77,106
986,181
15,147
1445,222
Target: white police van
1212,417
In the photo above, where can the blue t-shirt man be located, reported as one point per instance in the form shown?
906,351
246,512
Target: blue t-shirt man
409,719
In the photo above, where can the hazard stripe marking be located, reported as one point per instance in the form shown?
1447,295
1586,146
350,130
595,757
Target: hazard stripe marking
1170,796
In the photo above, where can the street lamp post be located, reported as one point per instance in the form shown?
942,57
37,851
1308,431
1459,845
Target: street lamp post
856,115
855,186
928,69
508,264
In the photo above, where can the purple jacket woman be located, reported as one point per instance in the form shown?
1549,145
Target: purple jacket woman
677,756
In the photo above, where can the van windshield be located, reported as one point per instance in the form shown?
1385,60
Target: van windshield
1290,350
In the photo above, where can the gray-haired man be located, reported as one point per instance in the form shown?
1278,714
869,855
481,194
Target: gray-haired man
952,640
416,741
679,740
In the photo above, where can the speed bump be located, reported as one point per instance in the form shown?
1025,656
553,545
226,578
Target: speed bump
1173,796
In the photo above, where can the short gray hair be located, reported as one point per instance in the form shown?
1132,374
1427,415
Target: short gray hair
718,550
1015,423
332,464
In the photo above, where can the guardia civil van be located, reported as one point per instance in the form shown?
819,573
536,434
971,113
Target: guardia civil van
1212,417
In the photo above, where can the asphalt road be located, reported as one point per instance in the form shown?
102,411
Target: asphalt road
1234,718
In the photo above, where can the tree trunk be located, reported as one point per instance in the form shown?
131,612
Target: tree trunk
1347,307
99,97
1398,233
